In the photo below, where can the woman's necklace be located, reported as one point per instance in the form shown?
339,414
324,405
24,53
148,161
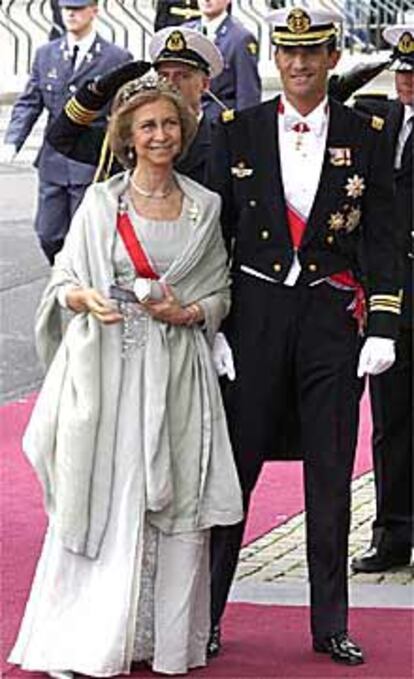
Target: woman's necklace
150,194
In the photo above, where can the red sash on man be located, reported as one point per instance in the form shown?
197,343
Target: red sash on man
297,226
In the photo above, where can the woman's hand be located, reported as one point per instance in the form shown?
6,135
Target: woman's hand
169,310
90,300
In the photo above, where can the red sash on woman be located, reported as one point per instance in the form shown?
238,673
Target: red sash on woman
134,248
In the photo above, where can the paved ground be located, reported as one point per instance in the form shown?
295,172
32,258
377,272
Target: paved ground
272,569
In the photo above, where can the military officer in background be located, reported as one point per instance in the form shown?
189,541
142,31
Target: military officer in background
175,12
392,393
59,69
308,213
238,86
186,59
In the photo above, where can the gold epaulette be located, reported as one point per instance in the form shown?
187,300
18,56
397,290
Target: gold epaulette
228,115
377,123
79,114
388,303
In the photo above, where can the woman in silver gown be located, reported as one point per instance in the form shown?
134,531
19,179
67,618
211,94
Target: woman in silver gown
128,435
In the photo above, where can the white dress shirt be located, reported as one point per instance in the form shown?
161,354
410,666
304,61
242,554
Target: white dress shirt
83,45
301,159
210,28
405,129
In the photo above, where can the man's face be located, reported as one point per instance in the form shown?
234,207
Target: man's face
79,20
304,72
191,82
404,84
212,8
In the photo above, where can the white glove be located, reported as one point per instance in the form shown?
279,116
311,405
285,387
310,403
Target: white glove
377,355
223,357
7,153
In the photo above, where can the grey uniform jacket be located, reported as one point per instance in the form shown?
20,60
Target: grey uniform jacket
238,85
50,85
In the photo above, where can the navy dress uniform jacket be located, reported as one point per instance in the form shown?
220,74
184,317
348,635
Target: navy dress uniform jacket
50,85
392,392
405,207
343,232
238,86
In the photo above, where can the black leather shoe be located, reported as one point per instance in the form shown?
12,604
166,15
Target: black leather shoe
377,559
214,642
341,649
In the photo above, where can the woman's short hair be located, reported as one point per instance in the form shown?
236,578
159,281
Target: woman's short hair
132,96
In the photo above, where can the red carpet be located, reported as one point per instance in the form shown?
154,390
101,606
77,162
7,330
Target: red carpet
277,647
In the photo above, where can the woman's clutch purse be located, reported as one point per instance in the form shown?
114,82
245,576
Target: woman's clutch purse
122,294
143,289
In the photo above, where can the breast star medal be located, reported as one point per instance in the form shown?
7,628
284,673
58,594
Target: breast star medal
355,186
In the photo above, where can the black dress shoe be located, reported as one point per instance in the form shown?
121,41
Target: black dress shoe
341,649
378,559
214,642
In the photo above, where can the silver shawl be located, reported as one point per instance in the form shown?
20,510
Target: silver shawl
70,439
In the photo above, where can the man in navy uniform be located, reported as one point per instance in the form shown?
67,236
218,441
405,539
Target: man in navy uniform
391,393
308,209
238,86
59,69
175,12
186,59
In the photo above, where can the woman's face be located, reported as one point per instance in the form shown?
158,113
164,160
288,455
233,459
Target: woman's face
156,132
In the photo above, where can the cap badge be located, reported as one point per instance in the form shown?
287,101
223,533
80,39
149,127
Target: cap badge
175,42
406,43
298,21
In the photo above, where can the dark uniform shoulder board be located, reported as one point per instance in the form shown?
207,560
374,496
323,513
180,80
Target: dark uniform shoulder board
252,47
228,115
377,123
